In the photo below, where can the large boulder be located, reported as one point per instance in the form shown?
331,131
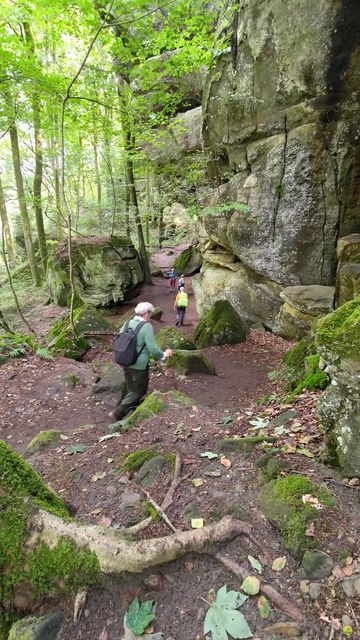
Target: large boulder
303,304
188,261
188,362
280,105
255,298
221,325
338,342
64,340
107,270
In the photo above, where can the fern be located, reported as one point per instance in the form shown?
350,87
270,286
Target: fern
17,352
44,354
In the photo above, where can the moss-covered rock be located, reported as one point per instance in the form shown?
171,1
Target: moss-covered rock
27,571
281,502
188,362
107,270
338,341
188,261
64,340
221,325
244,444
45,627
339,332
44,439
173,338
134,461
302,369
154,403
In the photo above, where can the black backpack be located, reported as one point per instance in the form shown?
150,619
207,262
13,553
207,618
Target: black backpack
125,351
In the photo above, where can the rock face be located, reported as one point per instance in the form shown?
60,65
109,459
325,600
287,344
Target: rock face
181,136
107,270
281,120
348,270
338,342
303,304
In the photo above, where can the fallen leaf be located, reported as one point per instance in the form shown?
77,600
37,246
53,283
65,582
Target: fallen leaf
104,634
197,482
197,523
307,498
337,572
288,448
263,607
255,564
98,476
225,462
76,448
305,452
348,570
189,566
209,454
279,564
310,530
251,585
349,560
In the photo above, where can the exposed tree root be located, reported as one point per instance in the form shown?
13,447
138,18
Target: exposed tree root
276,598
117,555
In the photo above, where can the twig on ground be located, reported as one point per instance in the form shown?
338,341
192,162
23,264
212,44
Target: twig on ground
276,598
140,526
159,510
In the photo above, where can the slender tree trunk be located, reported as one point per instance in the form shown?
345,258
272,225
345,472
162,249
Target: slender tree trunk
98,180
161,228
25,222
38,175
127,208
9,245
123,91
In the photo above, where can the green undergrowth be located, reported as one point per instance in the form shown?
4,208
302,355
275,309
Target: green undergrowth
301,371
17,345
41,570
149,511
281,501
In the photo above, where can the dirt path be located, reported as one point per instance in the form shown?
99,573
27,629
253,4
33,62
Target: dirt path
39,395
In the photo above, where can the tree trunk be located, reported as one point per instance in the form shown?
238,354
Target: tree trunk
9,245
98,180
123,90
161,228
22,204
38,174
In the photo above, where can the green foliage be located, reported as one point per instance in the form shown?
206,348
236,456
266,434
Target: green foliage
222,618
139,616
150,511
225,209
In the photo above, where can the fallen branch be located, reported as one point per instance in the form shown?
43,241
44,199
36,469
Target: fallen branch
159,510
276,598
140,526
117,555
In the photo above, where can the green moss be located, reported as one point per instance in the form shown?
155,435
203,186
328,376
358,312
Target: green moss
172,338
243,444
135,460
311,382
302,370
43,570
281,502
180,398
182,261
188,362
64,341
220,325
171,460
150,511
295,357
153,404
339,331
43,438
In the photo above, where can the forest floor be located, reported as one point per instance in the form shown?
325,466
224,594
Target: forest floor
40,395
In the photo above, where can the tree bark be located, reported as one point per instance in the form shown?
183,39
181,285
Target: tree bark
25,222
98,179
38,174
9,245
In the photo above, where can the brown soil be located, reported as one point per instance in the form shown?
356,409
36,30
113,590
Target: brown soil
37,395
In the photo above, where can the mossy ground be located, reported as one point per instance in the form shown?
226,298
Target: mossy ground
151,406
43,570
302,370
220,325
281,502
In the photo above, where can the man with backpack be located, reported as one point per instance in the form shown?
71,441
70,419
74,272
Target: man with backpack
181,303
133,348
172,276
